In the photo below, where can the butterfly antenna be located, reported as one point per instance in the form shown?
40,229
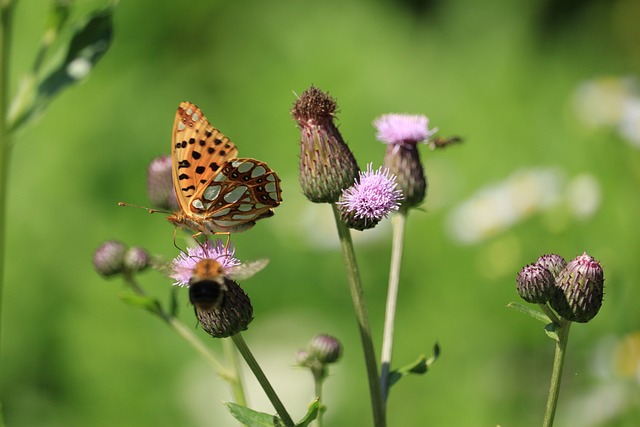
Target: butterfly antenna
150,210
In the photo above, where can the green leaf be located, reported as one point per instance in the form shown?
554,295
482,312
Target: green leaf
419,367
252,418
141,301
312,414
88,44
530,311
551,329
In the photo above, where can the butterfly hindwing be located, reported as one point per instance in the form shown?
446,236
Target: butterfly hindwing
244,190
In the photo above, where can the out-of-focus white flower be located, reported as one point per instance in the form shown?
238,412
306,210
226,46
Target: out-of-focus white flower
613,102
629,125
583,196
600,102
497,207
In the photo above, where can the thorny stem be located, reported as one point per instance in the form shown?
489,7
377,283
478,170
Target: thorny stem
398,222
556,374
6,13
262,379
360,308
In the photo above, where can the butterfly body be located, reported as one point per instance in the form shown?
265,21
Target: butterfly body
217,192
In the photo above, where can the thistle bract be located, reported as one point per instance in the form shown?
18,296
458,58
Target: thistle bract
327,166
535,284
580,289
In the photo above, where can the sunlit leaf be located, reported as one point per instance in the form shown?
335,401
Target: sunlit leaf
530,311
252,418
89,42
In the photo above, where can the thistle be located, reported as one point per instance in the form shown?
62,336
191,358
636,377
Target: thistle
369,200
580,289
327,166
402,133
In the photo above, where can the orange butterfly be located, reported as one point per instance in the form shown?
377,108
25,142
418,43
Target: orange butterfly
217,192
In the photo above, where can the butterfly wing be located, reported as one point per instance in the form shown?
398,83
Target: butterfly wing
198,151
243,191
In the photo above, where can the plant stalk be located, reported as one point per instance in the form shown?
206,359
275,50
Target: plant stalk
360,309
556,374
262,379
398,223
6,15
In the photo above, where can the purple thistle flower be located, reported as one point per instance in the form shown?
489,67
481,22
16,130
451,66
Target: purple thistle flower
370,200
182,266
402,128
402,133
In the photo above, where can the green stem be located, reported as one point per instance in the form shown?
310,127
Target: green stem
237,387
550,313
6,13
398,223
556,375
318,381
262,379
360,308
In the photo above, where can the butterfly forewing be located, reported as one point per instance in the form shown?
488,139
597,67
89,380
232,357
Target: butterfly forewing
217,192
199,150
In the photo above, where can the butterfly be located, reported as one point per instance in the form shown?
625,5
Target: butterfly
217,192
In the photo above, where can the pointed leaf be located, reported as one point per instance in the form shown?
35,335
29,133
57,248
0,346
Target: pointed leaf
419,367
312,414
530,311
252,418
136,300
551,329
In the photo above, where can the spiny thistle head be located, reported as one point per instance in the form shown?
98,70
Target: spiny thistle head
370,199
160,184
327,166
402,133
535,284
552,262
580,289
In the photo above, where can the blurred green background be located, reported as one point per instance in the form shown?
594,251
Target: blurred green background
513,78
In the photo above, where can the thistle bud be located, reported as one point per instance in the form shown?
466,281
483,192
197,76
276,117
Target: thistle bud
108,259
402,133
552,262
136,259
160,184
580,289
535,284
228,317
326,348
327,166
